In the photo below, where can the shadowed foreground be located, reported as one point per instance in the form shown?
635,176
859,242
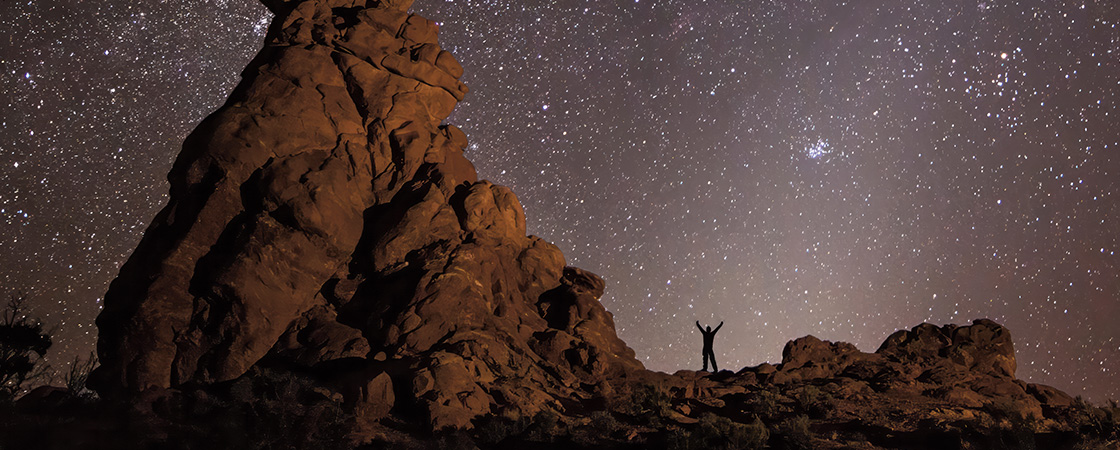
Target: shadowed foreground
929,387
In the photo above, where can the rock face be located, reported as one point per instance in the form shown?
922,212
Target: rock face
325,217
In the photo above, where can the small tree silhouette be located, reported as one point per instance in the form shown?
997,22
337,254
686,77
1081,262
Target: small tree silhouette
78,375
23,343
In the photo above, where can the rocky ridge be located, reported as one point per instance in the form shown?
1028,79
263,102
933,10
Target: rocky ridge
953,384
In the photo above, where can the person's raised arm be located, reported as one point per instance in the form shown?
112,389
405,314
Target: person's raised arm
717,328
700,327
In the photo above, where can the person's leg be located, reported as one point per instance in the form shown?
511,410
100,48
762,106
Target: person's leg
705,369
713,357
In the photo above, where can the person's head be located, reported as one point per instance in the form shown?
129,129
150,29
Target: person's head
709,327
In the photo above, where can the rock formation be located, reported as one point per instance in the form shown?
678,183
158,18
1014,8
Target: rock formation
927,387
963,366
325,217
329,272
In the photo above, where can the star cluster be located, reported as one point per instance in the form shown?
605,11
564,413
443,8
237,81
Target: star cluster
840,169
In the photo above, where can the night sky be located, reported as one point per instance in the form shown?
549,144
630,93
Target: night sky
840,169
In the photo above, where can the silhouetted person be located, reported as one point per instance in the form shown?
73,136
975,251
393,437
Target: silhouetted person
709,336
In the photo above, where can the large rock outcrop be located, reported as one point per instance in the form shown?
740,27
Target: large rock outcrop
325,217
962,366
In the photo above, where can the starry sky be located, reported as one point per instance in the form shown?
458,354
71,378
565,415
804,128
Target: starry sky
840,169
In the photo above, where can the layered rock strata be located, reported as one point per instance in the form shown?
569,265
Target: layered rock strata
325,217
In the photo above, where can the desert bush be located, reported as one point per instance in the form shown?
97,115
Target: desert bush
681,439
649,403
1101,422
1005,408
604,423
495,430
78,374
794,434
545,426
1018,430
813,401
23,343
650,399
765,403
1111,424
454,440
264,410
602,426
734,435
717,432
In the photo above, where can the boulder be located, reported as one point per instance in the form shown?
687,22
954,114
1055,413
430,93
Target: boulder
810,358
984,347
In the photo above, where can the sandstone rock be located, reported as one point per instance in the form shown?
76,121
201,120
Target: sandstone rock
324,219
987,346
318,337
809,358
450,393
574,307
1050,397
377,398
809,350
963,397
984,346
